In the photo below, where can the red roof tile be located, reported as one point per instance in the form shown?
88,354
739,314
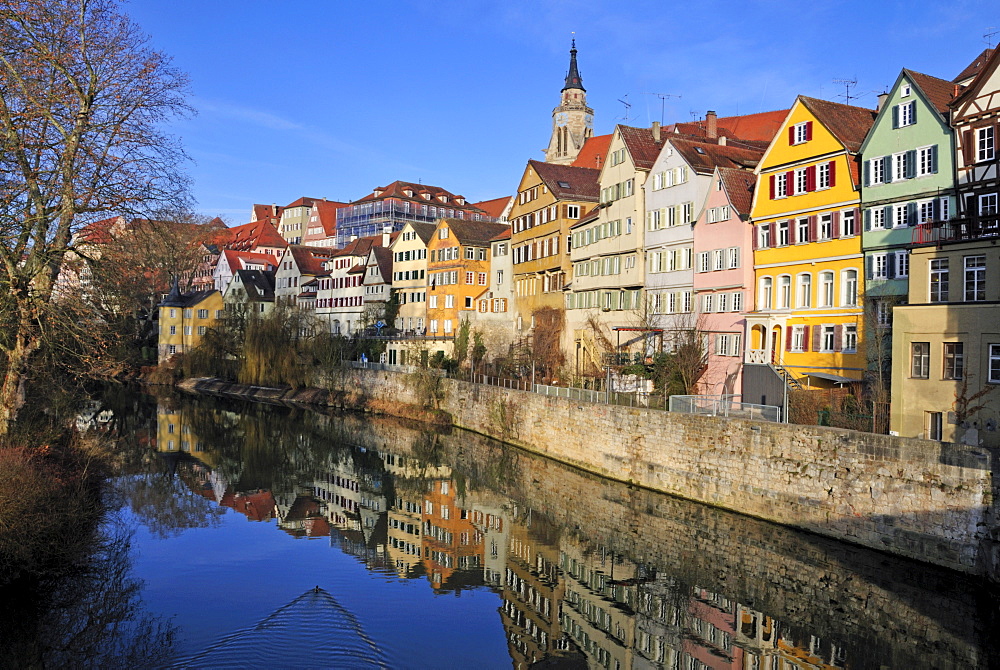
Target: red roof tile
495,207
477,233
505,235
270,213
641,146
249,236
434,195
705,156
739,185
973,68
938,91
237,259
848,124
567,182
309,260
593,153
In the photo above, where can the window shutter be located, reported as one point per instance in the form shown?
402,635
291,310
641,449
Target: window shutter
813,233
788,338
817,335
811,178
790,182
835,225
809,130
887,216
911,213
791,134
756,238
805,338
911,164
793,232
833,173
934,159
936,207
869,267
868,178
895,116
770,236
838,335
968,148
913,112
772,186
887,169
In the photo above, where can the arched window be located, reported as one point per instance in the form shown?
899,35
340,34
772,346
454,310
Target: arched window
850,288
784,291
766,293
804,297
826,289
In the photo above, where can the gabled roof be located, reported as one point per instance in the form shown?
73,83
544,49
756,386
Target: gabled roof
704,156
760,127
326,211
258,284
362,245
593,153
983,71
425,231
972,69
309,260
474,233
567,182
177,299
739,185
500,237
98,232
847,123
383,258
937,91
251,235
641,146
301,202
267,213
236,259
495,207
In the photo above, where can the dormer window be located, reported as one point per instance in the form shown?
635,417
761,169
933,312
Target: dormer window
443,198
460,201
443,233
427,196
408,193
377,193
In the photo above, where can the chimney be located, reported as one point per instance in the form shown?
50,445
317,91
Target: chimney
722,141
882,97
710,127
656,131
385,236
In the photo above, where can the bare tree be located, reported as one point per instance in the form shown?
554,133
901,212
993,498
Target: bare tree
82,100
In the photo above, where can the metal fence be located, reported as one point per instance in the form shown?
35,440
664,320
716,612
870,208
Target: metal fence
725,405
585,395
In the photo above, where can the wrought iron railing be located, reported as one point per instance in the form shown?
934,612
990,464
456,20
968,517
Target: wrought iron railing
957,230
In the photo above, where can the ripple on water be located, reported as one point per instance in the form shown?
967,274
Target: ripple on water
312,631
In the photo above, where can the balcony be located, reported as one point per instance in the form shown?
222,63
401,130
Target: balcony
957,230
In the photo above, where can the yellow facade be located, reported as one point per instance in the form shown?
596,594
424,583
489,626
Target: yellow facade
808,264
457,274
182,326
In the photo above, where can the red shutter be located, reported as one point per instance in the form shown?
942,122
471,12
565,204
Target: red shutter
755,236
789,182
817,335
791,134
809,130
811,178
805,338
772,187
835,228
813,233
838,335
788,338
833,173
968,148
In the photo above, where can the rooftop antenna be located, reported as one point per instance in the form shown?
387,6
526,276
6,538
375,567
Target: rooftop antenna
695,114
627,104
847,84
988,36
663,97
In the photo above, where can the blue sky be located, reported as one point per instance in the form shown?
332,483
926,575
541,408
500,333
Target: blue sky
331,98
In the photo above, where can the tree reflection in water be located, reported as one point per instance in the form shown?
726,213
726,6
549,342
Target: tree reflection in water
166,504
90,616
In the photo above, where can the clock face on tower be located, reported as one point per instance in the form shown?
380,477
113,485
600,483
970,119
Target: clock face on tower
589,119
562,118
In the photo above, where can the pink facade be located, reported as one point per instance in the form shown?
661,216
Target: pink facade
723,257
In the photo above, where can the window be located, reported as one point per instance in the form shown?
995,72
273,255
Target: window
880,266
469,277
826,289
783,233
825,227
847,224
784,292
443,233
447,325
939,280
780,185
449,301
926,161
805,291
850,288
954,360
850,338
801,132
883,313
202,313
703,261
432,302
802,231
734,257
900,166
988,204
994,364
984,144
801,180
764,235
933,425
173,330
823,175
766,291
798,338
737,301
828,338
482,278
876,171
719,258
906,114
975,278
202,330
707,302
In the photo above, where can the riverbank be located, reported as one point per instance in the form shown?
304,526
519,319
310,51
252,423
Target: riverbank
925,500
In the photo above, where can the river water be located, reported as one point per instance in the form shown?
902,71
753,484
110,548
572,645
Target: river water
277,537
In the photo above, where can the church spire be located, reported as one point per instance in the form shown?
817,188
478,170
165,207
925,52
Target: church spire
573,78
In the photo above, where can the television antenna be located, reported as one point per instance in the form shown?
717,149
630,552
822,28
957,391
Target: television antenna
848,84
988,36
627,104
663,97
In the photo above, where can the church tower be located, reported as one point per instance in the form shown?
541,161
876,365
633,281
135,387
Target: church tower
572,120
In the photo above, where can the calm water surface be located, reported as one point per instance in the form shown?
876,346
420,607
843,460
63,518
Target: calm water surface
276,537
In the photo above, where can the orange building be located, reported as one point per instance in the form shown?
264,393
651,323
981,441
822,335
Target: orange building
458,271
450,542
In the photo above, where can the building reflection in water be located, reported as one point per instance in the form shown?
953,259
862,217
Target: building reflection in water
565,595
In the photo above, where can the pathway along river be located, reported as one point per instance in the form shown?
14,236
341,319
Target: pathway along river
277,537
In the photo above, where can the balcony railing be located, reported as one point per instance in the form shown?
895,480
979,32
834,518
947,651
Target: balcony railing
758,357
957,230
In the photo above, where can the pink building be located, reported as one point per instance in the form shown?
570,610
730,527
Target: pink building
723,276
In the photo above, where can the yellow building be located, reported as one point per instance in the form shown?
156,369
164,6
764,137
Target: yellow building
184,320
808,263
458,270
